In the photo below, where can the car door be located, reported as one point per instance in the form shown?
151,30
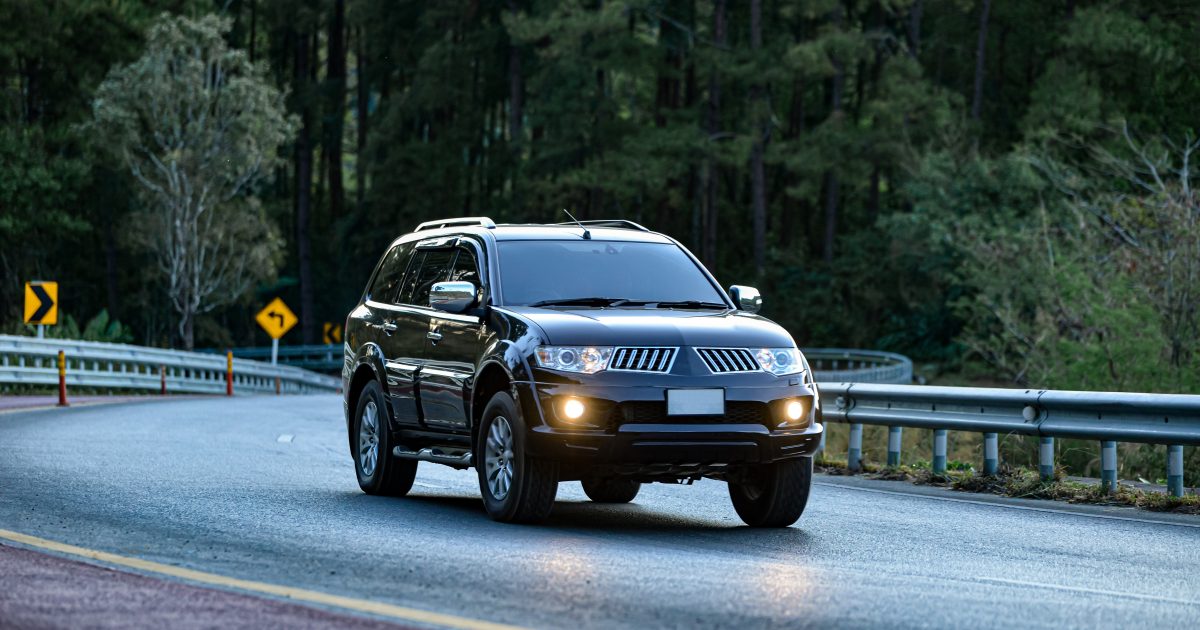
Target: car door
400,339
455,341
404,328
430,265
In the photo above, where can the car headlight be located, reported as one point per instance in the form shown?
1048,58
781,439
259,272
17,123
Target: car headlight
780,361
584,359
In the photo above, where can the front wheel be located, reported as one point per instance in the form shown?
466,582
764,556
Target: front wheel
772,495
378,472
516,487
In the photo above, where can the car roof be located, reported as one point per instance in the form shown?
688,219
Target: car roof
543,232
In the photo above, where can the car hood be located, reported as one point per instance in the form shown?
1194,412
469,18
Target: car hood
655,327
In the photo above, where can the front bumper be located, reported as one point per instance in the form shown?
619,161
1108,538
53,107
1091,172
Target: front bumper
645,439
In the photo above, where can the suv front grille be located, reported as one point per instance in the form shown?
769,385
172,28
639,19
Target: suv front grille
736,412
643,359
725,360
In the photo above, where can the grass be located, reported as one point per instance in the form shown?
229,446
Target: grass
1021,483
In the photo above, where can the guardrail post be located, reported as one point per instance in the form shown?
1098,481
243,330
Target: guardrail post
62,379
229,372
991,454
1046,459
854,453
1175,470
939,451
894,435
1108,466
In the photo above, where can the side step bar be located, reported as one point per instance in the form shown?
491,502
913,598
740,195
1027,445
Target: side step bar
456,458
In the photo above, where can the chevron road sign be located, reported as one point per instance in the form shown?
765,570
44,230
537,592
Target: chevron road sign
41,303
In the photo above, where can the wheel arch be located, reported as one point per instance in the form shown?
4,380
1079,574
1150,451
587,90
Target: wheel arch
364,373
493,377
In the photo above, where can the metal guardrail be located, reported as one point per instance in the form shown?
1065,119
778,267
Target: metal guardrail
322,358
833,365
838,365
30,361
1107,417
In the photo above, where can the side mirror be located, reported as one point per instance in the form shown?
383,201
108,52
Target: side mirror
452,297
746,298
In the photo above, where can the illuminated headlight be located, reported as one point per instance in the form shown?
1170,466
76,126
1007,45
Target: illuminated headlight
584,359
795,410
573,408
780,361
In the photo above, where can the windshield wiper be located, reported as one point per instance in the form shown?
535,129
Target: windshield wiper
691,304
583,301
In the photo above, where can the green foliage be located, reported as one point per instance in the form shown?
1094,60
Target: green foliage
99,328
198,126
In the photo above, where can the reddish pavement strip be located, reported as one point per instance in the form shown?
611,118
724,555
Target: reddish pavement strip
13,403
43,591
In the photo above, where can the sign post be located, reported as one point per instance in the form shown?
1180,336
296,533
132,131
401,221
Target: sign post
276,319
41,305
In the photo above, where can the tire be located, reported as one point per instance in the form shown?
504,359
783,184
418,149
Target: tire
610,490
773,495
528,494
380,473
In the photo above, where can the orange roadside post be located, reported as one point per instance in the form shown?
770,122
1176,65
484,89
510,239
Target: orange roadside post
229,372
62,379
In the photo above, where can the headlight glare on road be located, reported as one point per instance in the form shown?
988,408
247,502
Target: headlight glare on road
780,361
583,359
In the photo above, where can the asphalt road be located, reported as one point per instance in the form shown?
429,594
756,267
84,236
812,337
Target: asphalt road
263,489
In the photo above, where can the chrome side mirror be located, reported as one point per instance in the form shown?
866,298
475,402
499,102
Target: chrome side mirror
452,297
746,298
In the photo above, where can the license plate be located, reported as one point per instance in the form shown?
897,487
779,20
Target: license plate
695,402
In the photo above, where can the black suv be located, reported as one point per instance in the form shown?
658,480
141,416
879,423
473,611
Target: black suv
597,351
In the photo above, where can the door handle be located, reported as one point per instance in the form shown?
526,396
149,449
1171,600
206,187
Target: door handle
433,336
389,327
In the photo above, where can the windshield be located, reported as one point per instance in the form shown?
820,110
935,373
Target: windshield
601,273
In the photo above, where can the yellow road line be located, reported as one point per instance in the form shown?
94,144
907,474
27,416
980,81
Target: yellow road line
298,594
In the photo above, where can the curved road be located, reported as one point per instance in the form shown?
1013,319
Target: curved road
262,489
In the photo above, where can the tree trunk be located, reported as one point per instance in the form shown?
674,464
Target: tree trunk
831,184
914,28
516,88
363,107
335,74
758,186
304,172
188,331
980,52
110,265
253,28
711,172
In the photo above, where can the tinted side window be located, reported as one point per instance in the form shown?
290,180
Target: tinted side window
465,269
434,266
391,271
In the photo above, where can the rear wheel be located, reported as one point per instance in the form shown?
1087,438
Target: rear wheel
610,490
378,472
773,495
516,487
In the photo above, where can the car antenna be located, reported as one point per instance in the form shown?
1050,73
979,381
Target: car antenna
587,236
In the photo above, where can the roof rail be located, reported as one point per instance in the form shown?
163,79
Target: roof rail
612,223
462,221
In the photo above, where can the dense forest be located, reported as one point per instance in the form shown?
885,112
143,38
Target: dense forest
1000,189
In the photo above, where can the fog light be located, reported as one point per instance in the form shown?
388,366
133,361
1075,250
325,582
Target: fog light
795,409
573,408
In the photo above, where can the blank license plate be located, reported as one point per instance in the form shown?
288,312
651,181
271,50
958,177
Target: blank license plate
695,402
